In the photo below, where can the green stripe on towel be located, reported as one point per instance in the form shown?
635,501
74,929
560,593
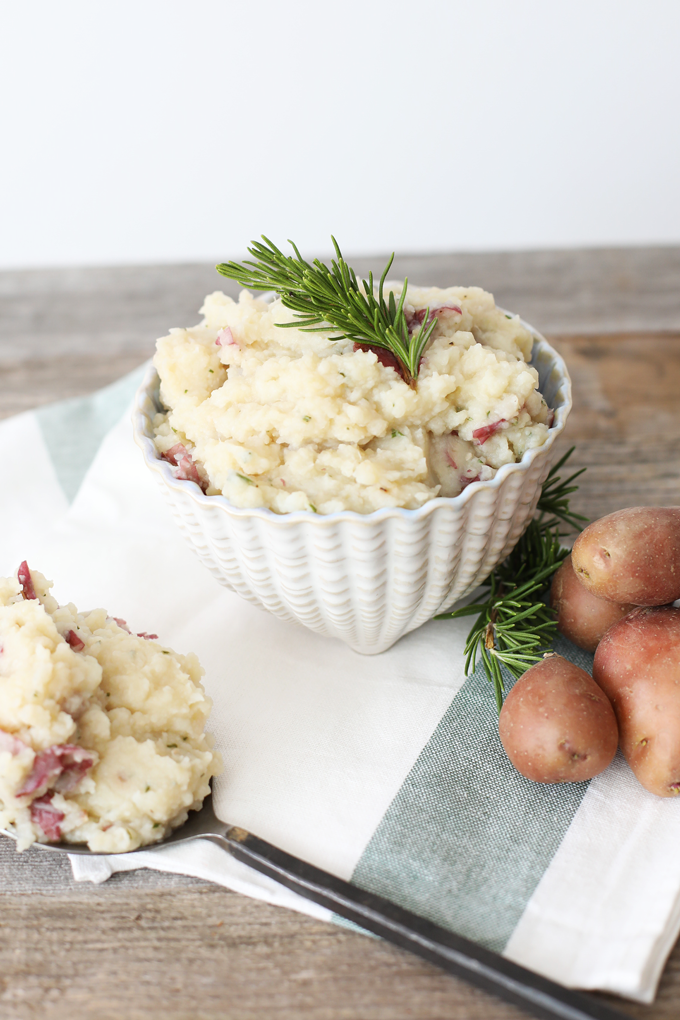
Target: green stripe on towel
467,839
73,430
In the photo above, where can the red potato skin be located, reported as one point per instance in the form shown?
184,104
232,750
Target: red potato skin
637,665
556,724
581,616
631,556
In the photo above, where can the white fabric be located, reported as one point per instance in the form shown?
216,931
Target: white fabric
579,927
293,719
33,498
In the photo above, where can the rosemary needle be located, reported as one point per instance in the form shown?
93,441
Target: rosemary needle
332,298
554,498
514,626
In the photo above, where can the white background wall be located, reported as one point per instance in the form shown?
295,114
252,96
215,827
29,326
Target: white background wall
169,130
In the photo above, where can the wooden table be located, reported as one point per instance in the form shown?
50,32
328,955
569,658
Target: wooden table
168,947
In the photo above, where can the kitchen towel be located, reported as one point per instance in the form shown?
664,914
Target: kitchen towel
385,770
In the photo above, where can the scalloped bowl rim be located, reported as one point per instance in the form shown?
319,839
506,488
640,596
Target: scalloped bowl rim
149,388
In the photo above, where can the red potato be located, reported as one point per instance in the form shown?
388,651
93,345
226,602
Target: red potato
632,555
556,725
581,616
637,665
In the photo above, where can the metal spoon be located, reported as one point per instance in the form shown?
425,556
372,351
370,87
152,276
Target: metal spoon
459,956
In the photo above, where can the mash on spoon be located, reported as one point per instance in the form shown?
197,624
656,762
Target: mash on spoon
101,731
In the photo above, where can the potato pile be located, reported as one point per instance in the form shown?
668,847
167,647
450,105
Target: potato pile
613,597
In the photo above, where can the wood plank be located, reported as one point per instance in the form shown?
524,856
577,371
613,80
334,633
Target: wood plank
31,383
625,422
212,954
124,308
174,954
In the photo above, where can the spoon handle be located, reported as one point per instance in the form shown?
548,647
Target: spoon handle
459,956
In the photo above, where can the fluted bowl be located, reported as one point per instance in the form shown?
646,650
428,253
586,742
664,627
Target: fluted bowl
367,579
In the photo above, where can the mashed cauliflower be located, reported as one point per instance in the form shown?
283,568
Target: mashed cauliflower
101,730
289,420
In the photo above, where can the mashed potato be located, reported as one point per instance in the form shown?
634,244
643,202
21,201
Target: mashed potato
101,730
289,420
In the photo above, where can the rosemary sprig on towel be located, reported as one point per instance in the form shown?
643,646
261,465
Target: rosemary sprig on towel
332,298
553,504
514,626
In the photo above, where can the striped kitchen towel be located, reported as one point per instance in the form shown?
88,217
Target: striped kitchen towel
384,770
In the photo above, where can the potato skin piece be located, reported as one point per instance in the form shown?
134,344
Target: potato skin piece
581,616
632,555
637,665
556,725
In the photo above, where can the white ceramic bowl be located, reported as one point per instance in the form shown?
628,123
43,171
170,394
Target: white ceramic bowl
364,578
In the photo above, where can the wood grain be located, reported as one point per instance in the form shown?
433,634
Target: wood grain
162,950
28,384
207,953
625,422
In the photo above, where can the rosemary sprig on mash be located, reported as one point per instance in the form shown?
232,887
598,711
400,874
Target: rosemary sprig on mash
514,626
332,298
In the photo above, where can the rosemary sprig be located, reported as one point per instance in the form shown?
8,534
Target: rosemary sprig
332,298
554,498
514,626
